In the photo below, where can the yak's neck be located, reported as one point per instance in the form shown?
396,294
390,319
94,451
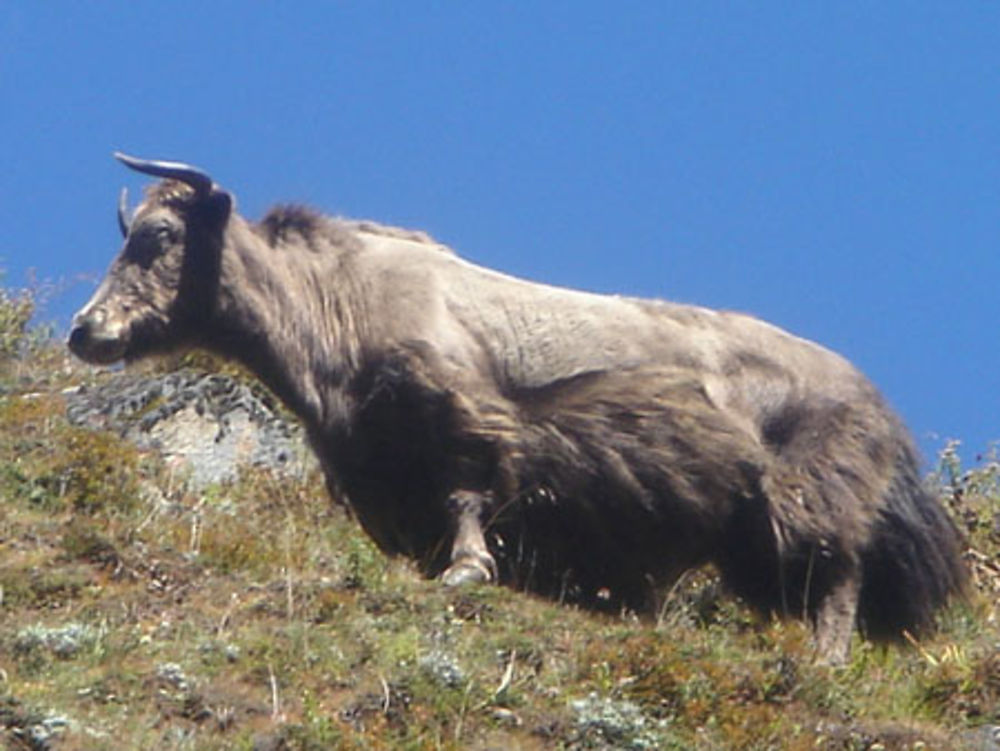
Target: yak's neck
290,316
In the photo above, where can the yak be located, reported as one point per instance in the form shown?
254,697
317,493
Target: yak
583,447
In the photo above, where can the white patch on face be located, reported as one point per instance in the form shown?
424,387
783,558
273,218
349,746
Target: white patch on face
87,310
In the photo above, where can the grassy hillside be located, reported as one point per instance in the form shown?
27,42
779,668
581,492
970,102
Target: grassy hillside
255,615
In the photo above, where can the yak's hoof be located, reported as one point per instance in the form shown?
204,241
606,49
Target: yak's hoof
469,570
832,658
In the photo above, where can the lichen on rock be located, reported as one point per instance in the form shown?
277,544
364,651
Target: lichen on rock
207,425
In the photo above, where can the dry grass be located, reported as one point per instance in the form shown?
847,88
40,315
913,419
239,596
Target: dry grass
256,616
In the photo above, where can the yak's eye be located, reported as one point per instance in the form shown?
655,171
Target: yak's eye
166,232
156,232
149,241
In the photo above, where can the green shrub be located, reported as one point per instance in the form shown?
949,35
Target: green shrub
51,464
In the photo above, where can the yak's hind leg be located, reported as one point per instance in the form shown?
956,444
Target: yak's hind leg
836,618
831,468
471,561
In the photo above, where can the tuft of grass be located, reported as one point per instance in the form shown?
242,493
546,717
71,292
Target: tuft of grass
89,471
16,309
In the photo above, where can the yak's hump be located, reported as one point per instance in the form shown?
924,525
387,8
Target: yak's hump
285,224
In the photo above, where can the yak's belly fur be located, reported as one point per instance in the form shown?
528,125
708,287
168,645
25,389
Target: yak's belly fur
605,488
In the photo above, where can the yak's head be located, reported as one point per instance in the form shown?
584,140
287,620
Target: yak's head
161,288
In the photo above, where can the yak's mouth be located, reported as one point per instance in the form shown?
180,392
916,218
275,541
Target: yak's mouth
95,348
94,340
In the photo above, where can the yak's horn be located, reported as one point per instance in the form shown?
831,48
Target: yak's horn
123,222
193,176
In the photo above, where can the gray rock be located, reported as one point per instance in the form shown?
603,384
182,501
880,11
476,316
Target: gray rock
209,426
983,738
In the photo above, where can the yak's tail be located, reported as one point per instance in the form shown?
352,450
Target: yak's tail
913,564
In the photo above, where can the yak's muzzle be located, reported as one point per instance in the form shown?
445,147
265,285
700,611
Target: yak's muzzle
92,340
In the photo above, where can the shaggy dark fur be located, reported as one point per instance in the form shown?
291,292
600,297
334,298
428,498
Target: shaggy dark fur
614,483
586,448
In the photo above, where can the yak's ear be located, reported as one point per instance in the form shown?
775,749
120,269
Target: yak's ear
219,204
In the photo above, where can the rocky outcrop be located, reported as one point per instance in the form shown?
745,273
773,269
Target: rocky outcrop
208,426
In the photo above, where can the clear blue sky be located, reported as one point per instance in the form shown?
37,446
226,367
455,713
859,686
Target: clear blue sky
831,167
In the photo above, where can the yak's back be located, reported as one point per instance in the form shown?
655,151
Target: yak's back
527,335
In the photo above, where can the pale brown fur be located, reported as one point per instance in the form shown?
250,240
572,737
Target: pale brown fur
585,447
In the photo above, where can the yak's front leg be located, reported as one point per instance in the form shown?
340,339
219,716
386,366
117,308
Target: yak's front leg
836,620
471,561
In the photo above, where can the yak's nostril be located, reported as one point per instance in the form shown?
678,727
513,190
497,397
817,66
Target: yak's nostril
78,336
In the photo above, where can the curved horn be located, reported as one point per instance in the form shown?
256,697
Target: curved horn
123,222
193,176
